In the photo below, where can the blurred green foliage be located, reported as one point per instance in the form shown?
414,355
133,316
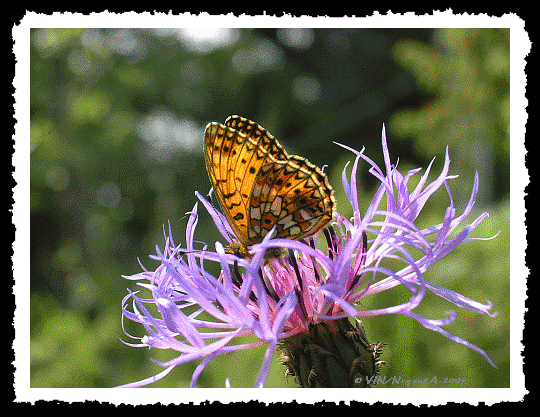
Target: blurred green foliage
117,120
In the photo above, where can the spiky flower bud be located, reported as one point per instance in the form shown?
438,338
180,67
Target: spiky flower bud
334,354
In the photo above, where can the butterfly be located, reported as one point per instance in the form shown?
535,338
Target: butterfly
259,186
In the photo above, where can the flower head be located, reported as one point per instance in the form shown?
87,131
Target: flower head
306,293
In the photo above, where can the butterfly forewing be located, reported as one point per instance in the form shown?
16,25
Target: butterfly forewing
221,165
233,160
260,186
258,135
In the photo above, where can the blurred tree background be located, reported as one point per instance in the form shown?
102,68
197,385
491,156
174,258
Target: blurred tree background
117,122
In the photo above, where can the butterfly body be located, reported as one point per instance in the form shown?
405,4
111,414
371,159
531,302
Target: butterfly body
259,186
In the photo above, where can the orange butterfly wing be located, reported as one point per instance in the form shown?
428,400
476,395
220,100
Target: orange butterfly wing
260,186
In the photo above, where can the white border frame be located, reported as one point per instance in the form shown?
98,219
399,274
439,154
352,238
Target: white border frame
520,46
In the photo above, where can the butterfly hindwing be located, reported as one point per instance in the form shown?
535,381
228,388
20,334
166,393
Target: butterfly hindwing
292,195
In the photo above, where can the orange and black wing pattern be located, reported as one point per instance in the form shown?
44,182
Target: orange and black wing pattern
260,186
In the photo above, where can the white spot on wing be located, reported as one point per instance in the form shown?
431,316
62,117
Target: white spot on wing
256,190
295,231
305,215
255,213
287,222
276,206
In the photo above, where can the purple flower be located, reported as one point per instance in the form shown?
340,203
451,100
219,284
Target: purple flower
280,300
